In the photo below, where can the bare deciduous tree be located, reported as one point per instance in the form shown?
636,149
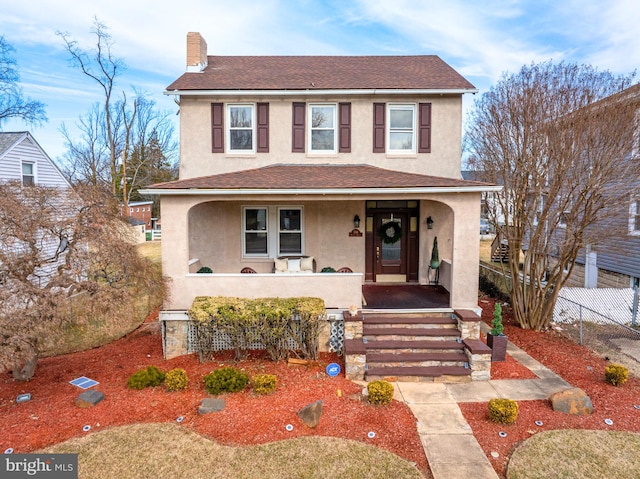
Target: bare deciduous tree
55,242
13,104
559,138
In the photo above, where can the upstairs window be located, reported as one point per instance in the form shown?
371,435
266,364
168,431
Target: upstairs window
28,174
402,128
401,131
322,128
241,132
240,128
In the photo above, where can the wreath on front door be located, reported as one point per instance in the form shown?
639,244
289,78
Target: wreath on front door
390,232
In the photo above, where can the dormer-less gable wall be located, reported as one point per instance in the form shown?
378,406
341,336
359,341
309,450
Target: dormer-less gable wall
280,132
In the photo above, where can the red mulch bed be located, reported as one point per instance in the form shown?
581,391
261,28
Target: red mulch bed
52,416
577,365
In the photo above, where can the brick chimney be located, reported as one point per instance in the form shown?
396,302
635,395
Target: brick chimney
196,52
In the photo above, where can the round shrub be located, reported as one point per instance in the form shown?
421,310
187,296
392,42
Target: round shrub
205,269
503,411
616,374
176,380
144,378
264,383
380,392
226,379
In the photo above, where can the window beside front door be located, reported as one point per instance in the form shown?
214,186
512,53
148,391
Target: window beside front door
267,229
256,232
28,174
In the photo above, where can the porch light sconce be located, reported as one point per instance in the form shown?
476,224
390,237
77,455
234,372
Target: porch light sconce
356,221
429,223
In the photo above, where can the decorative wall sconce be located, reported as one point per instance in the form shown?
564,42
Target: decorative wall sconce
356,221
429,223
356,224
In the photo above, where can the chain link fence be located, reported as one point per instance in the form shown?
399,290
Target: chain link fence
602,319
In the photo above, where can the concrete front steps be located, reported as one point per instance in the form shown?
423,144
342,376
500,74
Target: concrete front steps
413,347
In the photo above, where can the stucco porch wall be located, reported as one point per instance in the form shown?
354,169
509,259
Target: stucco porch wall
338,290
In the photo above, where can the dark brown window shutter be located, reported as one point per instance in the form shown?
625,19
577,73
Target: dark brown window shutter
344,120
424,131
298,127
263,128
379,110
217,128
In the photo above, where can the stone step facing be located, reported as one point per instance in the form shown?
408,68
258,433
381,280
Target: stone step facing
413,347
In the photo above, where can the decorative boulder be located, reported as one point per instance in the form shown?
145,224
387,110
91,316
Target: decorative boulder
89,398
208,405
310,414
572,401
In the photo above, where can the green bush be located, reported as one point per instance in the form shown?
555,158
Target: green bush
616,374
226,379
144,378
176,380
503,411
205,269
380,392
328,269
264,383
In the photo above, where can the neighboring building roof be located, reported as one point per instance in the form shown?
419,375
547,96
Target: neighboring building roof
308,73
309,178
9,139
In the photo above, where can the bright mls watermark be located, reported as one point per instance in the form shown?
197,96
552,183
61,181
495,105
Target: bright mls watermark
51,466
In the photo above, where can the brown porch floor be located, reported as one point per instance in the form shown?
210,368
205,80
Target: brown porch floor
404,296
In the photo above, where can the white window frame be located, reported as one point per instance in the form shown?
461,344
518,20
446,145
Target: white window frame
33,172
272,231
229,128
634,217
293,232
245,231
334,128
402,106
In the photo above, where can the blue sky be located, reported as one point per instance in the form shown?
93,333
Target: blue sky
480,39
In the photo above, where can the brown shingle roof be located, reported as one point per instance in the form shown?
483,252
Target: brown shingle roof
322,73
314,177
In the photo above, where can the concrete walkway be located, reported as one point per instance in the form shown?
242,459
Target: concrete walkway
451,448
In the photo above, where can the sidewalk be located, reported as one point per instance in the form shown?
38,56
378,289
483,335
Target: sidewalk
449,444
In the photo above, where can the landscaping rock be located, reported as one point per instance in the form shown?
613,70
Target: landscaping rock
89,398
572,401
310,414
211,405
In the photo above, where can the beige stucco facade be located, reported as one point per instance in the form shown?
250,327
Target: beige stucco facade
197,160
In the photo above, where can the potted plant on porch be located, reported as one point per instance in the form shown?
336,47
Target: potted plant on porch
496,339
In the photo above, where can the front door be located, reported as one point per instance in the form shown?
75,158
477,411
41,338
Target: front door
390,243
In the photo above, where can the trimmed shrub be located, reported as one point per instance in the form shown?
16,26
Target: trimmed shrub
226,379
264,383
144,378
205,269
503,411
380,392
616,374
176,380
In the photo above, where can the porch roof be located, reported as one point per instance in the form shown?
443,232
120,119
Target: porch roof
317,179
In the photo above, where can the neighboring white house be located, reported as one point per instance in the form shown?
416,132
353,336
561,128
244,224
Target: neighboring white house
22,160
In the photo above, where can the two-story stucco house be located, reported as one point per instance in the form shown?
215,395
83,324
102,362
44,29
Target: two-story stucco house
293,164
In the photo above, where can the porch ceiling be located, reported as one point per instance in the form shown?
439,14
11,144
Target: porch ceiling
317,179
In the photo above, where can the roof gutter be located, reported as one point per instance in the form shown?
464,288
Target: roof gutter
374,91
317,191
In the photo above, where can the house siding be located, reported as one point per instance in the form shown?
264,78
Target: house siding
46,173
